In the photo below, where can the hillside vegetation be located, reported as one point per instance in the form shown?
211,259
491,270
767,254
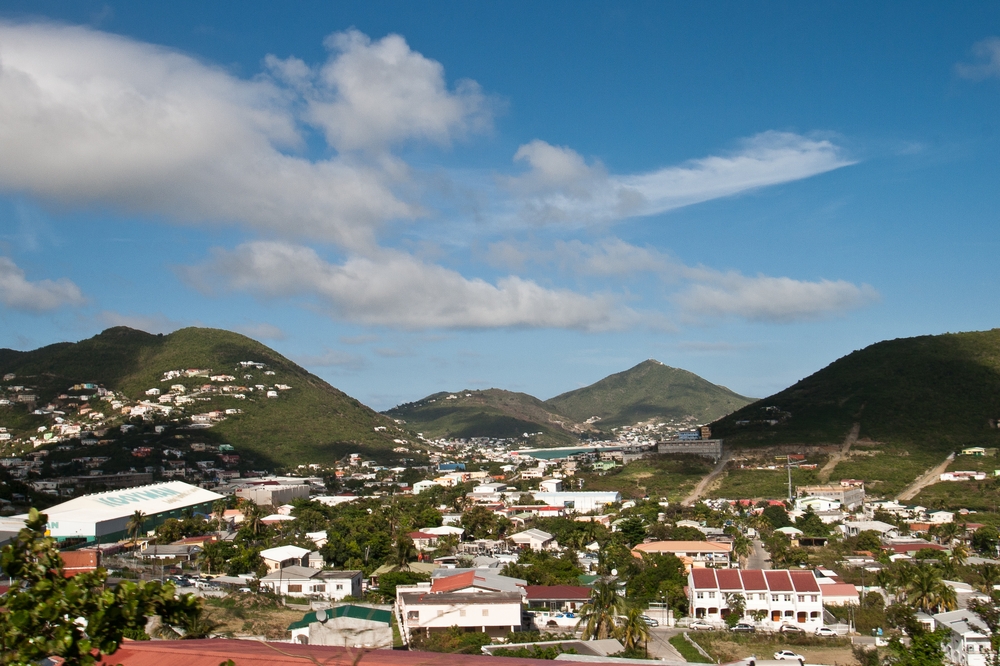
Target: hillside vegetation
646,392
489,413
930,393
311,422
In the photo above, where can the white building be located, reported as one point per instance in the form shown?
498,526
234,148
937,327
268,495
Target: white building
534,539
692,553
273,494
104,516
298,581
495,613
786,597
969,641
347,625
285,556
580,502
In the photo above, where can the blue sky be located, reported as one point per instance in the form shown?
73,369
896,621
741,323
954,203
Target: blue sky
420,196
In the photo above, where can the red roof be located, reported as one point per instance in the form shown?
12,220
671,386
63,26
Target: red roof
778,581
422,535
452,583
753,579
213,651
704,579
729,579
840,590
804,581
568,592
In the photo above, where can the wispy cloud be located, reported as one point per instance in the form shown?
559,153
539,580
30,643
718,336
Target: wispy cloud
332,358
397,290
261,331
150,323
561,186
987,61
699,292
19,293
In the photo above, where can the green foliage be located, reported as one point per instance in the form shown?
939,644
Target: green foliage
925,649
649,390
388,582
544,568
534,652
452,641
598,615
737,606
313,422
688,651
869,540
656,578
633,530
929,393
811,525
777,516
986,539
40,611
488,413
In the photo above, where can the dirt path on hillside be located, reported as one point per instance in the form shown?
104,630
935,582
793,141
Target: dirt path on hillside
703,485
845,448
929,478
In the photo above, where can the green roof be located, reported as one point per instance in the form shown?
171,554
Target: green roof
588,579
347,610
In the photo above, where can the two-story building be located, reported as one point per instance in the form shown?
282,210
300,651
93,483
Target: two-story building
298,581
780,596
694,554
969,641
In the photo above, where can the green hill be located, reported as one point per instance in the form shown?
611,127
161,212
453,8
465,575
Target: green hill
309,422
648,391
489,413
929,393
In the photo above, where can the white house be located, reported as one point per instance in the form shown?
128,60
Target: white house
854,528
969,641
692,553
534,539
421,486
285,556
348,625
298,581
783,596
495,613
580,502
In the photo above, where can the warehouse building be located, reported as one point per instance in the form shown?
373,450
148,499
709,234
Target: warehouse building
104,516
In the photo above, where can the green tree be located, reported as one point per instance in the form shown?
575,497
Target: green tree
737,607
598,615
985,540
77,618
812,525
633,530
776,516
135,524
869,540
925,649
929,592
632,629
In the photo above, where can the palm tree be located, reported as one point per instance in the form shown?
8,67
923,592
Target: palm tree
948,532
991,576
252,517
928,592
632,629
404,552
959,554
134,525
742,549
597,616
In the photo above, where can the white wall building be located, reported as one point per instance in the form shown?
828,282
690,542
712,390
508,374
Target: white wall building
495,613
580,502
969,641
787,597
297,581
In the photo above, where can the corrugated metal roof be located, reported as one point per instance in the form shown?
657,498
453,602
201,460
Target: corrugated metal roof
347,610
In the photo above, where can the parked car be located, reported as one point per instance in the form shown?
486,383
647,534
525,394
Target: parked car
826,632
744,628
782,655
791,629
701,625
650,622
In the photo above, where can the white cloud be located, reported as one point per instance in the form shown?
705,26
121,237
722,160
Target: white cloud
370,95
699,292
88,118
261,331
987,53
397,290
561,186
773,299
18,293
155,323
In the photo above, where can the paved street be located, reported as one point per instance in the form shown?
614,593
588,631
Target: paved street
759,559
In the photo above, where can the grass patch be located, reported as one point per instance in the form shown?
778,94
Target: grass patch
252,615
762,483
671,476
727,646
886,469
688,651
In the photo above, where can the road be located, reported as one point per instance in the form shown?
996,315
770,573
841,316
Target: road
930,477
759,559
659,647
702,486
852,437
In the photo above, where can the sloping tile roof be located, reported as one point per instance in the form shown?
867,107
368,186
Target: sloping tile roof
729,579
804,581
778,581
753,579
704,579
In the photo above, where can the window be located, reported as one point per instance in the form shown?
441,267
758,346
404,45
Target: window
486,612
319,588
412,615
762,597
788,597
700,595
802,598
340,586
294,588
774,597
711,595
814,598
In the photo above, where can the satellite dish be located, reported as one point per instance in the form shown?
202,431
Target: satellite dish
321,615
614,572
